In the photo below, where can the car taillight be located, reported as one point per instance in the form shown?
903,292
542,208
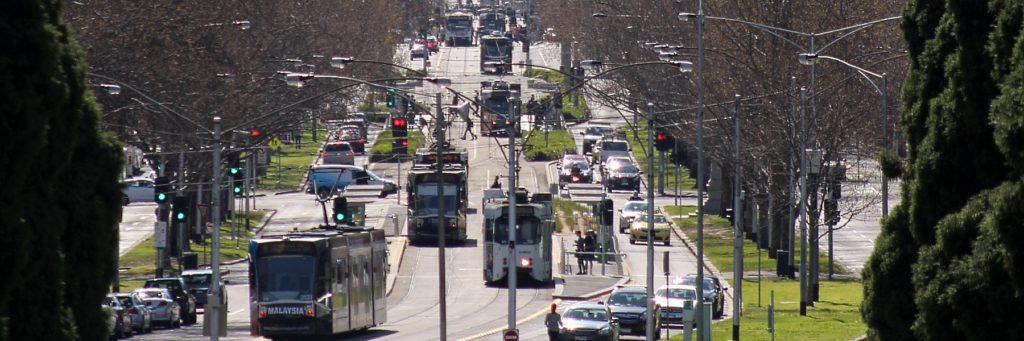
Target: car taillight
575,178
163,303
326,153
133,311
454,226
350,153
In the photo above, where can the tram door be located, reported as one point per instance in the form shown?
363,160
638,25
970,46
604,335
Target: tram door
339,290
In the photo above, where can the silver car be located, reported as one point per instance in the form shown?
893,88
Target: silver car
137,190
142,317
629,212
588,321
162,306
338,153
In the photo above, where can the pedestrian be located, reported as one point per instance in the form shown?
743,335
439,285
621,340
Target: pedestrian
553,321
581,259
469,129
497,183
590,246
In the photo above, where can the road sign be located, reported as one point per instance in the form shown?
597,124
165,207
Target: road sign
274,143
160,234
511,335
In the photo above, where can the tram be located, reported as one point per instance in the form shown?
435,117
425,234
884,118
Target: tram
533,243
317,283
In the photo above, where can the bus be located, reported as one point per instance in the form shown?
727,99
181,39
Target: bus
317,282
533,242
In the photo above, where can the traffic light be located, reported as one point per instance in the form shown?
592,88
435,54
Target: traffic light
400,135
662,141
179,211
236,179
161,189
254,134
341,210
608,212
391,97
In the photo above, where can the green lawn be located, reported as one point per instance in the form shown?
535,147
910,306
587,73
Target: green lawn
566,208
294,161
382,146
558,142
141,260
639,145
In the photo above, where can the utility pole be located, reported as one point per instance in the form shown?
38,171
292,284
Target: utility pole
214,298
737,218
512,165
439,143
650,224
803,203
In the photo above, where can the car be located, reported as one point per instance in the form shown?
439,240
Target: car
358,120
629,308
433,45
418,50
355,138
588,321
338,153
142,318
662,229
635,206
122,322
713,292
179,293
622,175
326,180
673,300
162,305
565,175
609,147
594,133
137,190
198,283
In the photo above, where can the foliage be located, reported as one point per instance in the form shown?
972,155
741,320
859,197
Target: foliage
549,76
947,263
61,196
558,143
382,145
890,164
575,112
294,161
566,208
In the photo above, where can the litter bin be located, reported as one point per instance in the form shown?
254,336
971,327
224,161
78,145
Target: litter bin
190,261
782,263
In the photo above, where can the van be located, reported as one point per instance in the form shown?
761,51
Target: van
326,180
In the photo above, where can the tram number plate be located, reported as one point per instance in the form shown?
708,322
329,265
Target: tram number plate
580,338
626,330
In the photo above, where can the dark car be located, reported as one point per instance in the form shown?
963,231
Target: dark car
176,286
622,175
565,170
588,321
198,283
713,292
629,307
354,136
594,133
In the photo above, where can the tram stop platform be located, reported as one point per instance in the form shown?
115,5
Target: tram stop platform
572,284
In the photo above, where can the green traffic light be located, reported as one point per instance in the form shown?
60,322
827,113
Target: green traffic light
181,216
339,216
233,170
161,196
237,190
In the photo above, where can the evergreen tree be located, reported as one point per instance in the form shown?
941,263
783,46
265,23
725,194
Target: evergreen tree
947,265
60,195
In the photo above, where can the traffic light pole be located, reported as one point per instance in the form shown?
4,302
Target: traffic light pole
439,142
512,164
214,298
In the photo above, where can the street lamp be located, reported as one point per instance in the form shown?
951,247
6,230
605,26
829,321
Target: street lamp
811,58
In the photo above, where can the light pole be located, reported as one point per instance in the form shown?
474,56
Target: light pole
441,227
650,222
737,218
883,92
213,298
803,202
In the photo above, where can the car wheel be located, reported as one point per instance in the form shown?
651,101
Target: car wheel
631,241
668,242
125,201
176,324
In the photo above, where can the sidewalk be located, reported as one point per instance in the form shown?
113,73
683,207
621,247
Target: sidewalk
571,285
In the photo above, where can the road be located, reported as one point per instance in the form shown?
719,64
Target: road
136,225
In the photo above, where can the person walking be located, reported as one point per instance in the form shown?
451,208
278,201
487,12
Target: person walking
469,129
553,321
590,246
581,259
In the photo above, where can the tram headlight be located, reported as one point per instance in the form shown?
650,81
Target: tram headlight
525,262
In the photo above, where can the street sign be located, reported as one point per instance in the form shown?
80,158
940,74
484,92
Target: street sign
160,234
274,143
511,335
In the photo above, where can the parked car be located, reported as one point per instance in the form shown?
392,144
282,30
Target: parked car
588,321
326,180
629,307
355,138
162,306
662,229
672,299
112,322
594,133
198,283
622,175
634,207
565,170
122,322
338,153
142,318
713,292
137,190
176,286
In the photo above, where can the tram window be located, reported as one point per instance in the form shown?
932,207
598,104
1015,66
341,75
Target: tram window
286,277
527,231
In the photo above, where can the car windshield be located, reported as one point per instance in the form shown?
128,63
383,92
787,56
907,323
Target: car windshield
337,147
615,145
589,314
349,134
286,277
686,294
628,299
426,194
635,207
624,168
198,280
709,283
582,162
171,286
658,219
596,130
144,294
124,300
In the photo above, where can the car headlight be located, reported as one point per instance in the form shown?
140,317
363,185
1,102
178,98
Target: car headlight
565,329
606,330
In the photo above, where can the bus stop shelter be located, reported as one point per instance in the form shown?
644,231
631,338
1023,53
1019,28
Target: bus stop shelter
358,196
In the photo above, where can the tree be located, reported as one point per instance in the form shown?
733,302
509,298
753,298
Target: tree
61,195
948,263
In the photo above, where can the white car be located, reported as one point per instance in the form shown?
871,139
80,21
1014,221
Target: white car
627,213
418,51
137,190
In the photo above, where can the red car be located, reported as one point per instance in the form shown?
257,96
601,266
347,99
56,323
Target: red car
433,45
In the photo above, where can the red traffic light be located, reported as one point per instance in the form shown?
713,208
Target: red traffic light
255,133
405,143
661,137
398,122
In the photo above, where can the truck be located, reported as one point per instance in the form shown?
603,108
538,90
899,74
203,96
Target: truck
495,54
424,217
500,105
458,29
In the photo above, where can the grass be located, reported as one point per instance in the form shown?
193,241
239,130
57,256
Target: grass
141,259
558,142
545,75
294,161
566,209
382,146
639,145
568,109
